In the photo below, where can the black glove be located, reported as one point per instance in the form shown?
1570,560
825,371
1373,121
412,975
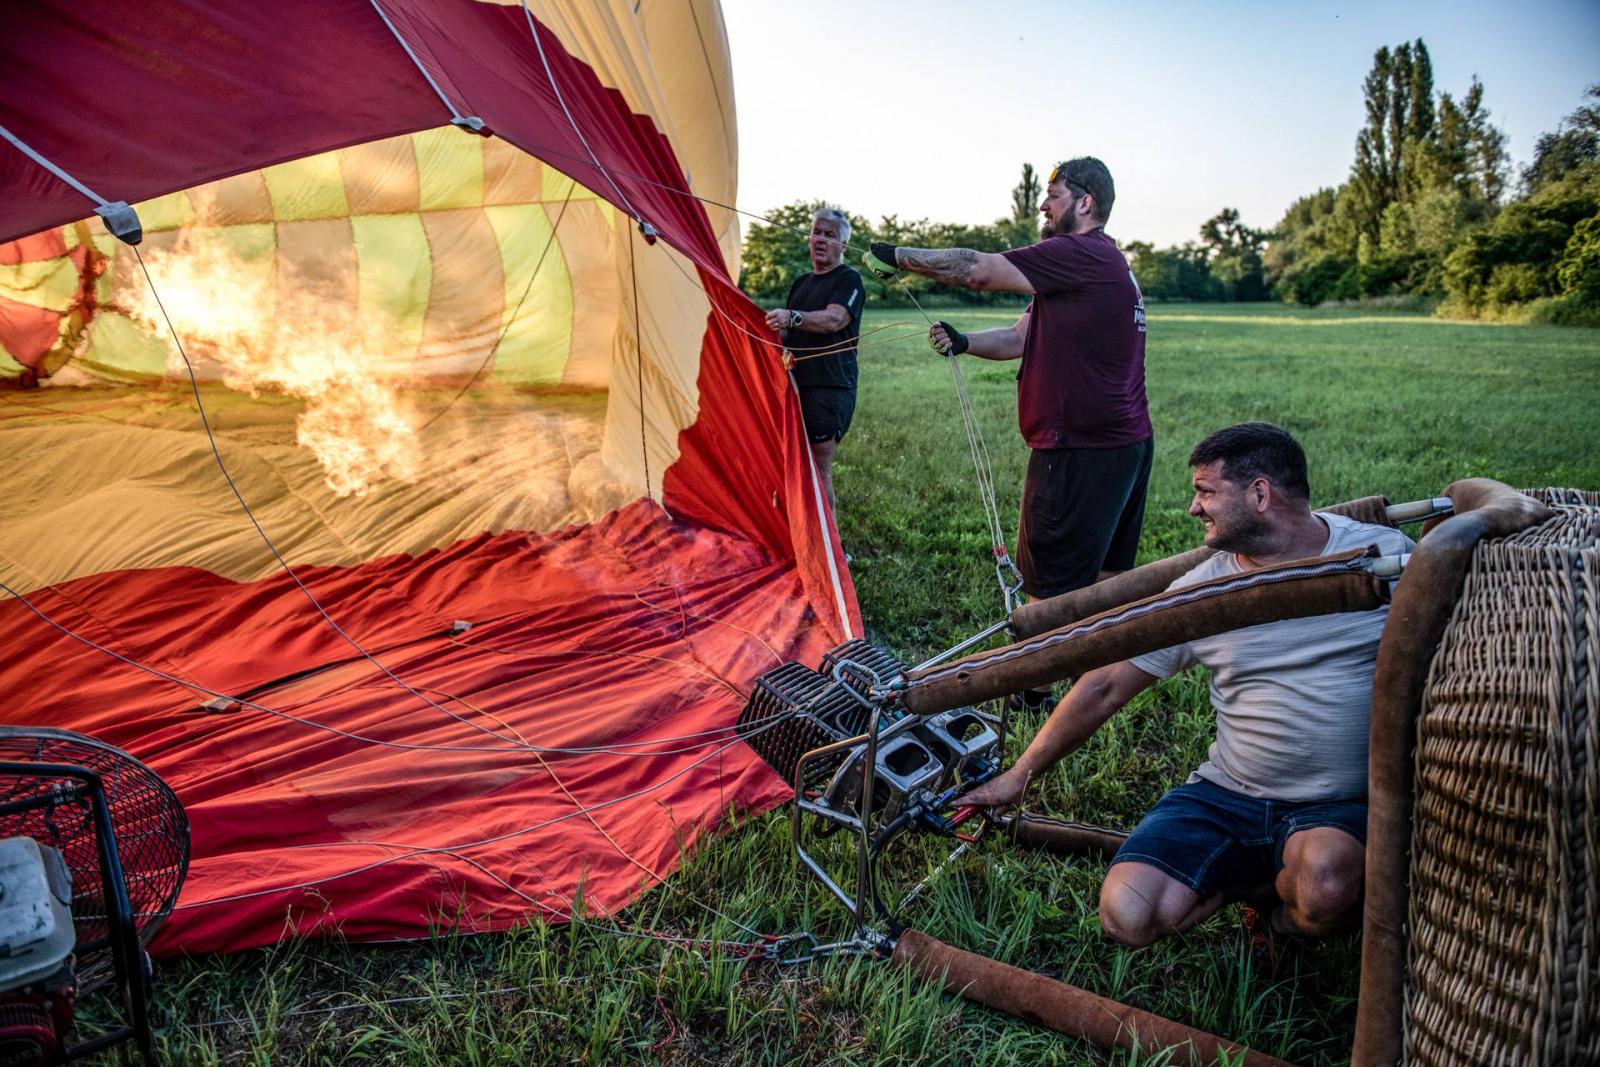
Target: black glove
958,340
883,259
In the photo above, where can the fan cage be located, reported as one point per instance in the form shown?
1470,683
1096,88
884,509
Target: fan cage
148,824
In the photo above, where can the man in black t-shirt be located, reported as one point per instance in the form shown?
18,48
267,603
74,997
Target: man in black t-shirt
819,326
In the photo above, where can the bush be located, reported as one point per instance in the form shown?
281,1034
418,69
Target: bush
1534,235
1317,280
1515,283
1579,270
1567,309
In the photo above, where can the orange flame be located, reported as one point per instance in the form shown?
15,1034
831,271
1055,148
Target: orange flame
262,326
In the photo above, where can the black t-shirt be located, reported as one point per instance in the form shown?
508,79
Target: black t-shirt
813,292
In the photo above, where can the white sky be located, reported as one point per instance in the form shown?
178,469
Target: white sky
929,109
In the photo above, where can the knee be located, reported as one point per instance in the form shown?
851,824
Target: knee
1126,917
1327,892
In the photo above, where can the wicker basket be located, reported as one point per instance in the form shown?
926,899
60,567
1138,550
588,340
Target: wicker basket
1504,952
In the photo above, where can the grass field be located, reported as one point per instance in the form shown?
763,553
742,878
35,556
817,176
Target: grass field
1393,404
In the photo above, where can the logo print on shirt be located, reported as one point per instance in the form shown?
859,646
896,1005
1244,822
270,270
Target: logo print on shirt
1138,303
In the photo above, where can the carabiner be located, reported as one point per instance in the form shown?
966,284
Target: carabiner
779,951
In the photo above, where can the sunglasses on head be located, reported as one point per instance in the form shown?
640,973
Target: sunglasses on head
1058,173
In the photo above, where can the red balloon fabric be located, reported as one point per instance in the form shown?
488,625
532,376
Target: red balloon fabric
499,723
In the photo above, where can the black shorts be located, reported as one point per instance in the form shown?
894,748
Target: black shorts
827,412
1082,510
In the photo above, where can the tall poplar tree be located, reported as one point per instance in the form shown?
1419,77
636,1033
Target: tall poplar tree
1022,226
1371,179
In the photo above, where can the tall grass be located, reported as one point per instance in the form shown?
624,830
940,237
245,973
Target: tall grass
1394,404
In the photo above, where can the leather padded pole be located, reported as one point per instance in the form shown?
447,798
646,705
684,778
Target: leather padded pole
1065,838
1322,585
1040,616
1423,602
1053,612
1064,1008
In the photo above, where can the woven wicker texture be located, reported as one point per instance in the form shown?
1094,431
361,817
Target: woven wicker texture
1504,956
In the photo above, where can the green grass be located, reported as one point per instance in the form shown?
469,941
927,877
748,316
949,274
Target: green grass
1395,404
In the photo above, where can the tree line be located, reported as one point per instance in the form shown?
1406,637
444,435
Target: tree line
775,251
1429,213
1429,209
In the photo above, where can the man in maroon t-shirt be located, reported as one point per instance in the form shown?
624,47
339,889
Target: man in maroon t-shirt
1080,393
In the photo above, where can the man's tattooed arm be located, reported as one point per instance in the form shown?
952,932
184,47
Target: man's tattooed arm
953,266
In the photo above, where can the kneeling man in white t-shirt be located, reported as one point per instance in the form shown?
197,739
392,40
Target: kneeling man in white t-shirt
1281,799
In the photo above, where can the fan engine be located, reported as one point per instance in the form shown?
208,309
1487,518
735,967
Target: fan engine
38,988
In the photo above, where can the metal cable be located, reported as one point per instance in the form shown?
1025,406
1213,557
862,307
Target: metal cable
479,843
512,318
216,453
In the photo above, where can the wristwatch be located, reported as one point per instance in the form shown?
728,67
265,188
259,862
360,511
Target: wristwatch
795,319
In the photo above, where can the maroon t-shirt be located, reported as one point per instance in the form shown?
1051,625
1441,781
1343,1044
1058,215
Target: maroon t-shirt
1082,378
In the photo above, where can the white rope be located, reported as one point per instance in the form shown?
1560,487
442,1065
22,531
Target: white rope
1006,572
980,455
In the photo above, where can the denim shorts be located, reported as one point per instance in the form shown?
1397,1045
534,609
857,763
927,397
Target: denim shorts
1211,838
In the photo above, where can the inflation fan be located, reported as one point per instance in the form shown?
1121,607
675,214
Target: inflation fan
93,849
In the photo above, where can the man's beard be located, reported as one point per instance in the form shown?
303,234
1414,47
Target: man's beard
1064,226
1246,535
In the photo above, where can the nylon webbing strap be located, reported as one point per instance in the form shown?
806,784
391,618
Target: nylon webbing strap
120,219
533,28
466,122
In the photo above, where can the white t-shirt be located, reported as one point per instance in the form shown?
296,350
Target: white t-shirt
1293,698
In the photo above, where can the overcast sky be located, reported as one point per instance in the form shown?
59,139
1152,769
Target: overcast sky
929,109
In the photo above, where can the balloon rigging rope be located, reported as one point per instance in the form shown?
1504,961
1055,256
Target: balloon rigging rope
720,733
810,353
513,749
981,460
272,547
975,442
457,852
423,850
455,115
684,614
216,454
533,29
510,319
638,352
572,905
